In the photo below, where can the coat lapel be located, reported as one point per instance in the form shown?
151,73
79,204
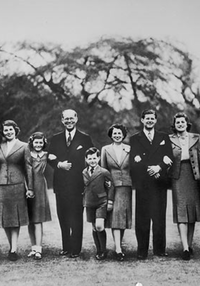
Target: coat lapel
4,149
16,147
174,139
87,178
125,153
143,140
193,138
111,153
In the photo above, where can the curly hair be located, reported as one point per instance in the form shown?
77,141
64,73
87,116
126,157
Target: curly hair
10,123
117,126
178,115
37,135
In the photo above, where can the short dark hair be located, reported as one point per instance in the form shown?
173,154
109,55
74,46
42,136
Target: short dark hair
37,135
148,111
11,123
178,115
92,151
117,126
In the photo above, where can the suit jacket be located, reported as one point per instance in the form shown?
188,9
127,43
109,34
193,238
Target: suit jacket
194,153
15,167
120,171
150,154
98,187
72,180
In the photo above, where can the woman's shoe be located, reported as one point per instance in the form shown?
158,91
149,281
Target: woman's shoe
38,256
12,256
32,253
120,256
186,255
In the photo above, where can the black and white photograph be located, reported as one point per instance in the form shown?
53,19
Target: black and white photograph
99,142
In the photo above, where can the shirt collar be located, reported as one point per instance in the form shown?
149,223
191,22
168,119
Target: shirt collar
152,131
35,154
71,132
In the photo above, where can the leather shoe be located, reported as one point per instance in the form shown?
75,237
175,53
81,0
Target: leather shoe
162,254
186,255
101,256
74,255
63,252
141,257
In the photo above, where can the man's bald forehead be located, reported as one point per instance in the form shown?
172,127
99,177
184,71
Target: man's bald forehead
69,113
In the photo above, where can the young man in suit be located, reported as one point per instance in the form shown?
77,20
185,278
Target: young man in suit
150,158
67,157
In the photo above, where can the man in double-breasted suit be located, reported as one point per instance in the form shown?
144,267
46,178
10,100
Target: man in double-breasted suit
67,157
151,155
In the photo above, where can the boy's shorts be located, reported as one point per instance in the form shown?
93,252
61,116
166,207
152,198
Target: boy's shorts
93,213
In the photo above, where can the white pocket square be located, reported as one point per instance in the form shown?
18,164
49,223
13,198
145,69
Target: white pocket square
79,147
162,143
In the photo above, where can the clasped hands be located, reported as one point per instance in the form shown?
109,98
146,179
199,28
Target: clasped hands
65,165
154,171
30,194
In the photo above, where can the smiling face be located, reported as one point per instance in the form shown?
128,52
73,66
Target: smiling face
149,121
117,135
180,124
9,132
69,119
38,144
92,160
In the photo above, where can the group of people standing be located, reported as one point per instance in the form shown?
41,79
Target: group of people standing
102,182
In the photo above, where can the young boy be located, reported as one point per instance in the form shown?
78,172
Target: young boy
98,198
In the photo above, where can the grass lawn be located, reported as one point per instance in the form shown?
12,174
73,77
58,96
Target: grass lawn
86,271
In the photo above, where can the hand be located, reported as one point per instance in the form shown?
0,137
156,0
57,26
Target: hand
167,160
65,165
157,175
30,194
109,206
152,170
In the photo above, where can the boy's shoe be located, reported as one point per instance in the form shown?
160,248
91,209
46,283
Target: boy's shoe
101,256
32,253
38,256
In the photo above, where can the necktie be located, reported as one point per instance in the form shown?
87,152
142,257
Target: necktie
69,140
92,170
149,136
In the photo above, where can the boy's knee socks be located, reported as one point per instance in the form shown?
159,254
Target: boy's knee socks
102,240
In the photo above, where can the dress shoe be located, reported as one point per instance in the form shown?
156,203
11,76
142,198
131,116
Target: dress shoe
74,255
101,256
141,257
161,254
38,256
191,251
186,255
12,256
120,256
63,252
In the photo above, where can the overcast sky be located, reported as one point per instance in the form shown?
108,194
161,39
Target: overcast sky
77,22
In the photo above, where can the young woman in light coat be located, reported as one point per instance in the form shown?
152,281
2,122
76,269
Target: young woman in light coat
115,158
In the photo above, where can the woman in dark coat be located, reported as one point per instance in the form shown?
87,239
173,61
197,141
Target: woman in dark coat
115,158
185,181
15,184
